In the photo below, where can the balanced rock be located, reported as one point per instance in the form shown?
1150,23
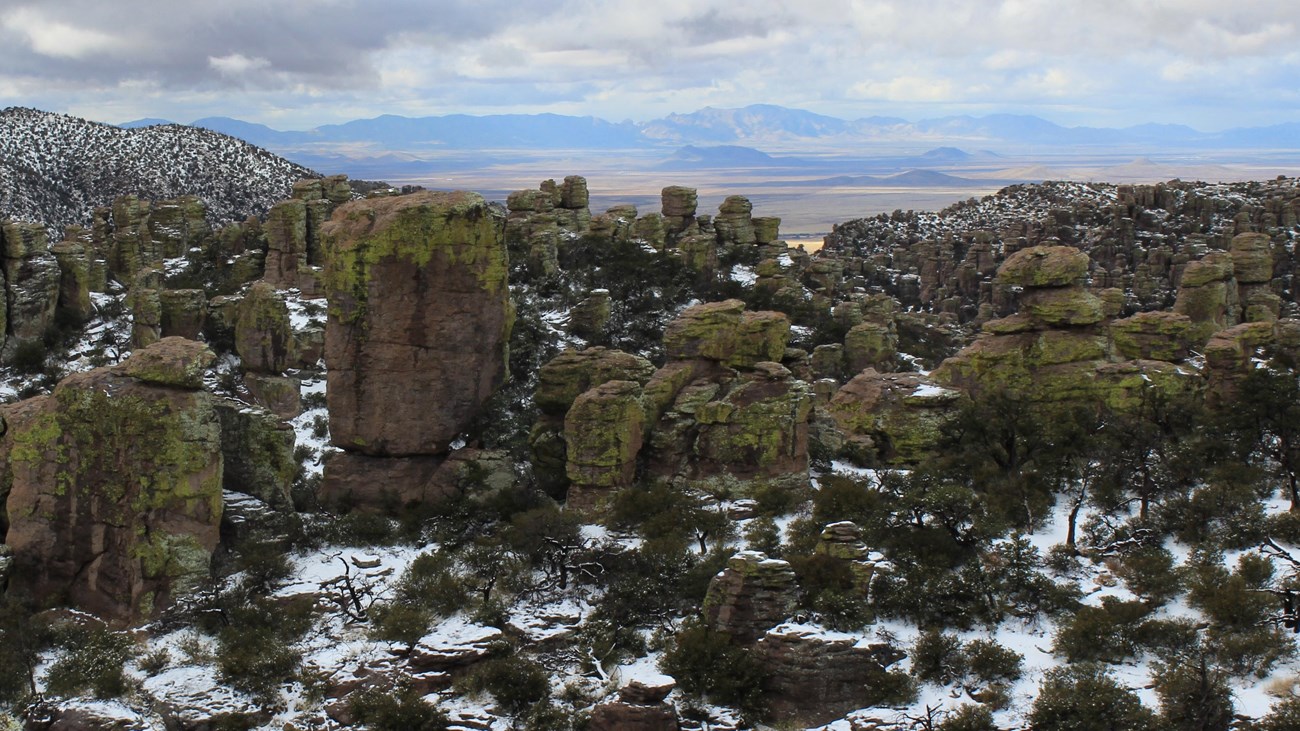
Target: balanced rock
419,320
1044,266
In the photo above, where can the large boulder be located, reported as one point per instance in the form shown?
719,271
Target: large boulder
892,418
726,333
603,435
419,320
1044,266
566,376
813,680
114,483
263,332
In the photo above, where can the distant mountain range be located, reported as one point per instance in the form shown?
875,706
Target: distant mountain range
55,169
760,124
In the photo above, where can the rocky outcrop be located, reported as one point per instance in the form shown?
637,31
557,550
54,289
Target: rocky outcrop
418,322
891,418
31,282
813,679
726,333
114,527
1207,294
639,707
295,248
419,317
752,595
602,433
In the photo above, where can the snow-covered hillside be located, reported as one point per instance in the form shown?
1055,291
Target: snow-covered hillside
56,169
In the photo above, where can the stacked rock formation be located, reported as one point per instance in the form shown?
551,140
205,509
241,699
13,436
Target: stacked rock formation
542,221
722,415
265,345
31,283
813,680
93,516
891,418
640,707
419,319
749,597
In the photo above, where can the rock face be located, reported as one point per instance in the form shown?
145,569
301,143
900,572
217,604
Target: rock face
603,432
419,319
813,680
891,418
113,526
31,279
752,595
725,332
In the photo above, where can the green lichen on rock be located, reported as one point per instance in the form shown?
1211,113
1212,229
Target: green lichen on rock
603,433
870,345
1152,336
1064,306
726,333
566,376
263,333
1217,266
457,228
1044,266
116,526
894,419
172,361
757,433
1252,258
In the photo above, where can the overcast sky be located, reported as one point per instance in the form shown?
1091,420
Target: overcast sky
295,64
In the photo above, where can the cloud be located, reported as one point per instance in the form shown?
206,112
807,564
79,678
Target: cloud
629,58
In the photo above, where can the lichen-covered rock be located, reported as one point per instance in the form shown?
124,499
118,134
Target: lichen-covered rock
32,279
588,318
892,418
752,595
74,281
263,336
1153,336
726,333
1044,266
767,229
757,433
172,361
286,242
734,223
603,435
1252,258
257,449
566,376
146,315
1217,266
94,517
573,193
178,224
419,320
280,394
870,345
183,312
1064,306
813,679
678,202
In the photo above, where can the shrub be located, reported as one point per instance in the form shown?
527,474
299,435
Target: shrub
92,663
1150,573
516,683
991,663
938,658
255,650
706,665
1108,632
969,718
401,709
1283,716
1086,698
1193,696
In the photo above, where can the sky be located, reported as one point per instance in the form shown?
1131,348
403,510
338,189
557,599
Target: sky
297,64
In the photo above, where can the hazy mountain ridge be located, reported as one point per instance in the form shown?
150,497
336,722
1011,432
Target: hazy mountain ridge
55,169
755,124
